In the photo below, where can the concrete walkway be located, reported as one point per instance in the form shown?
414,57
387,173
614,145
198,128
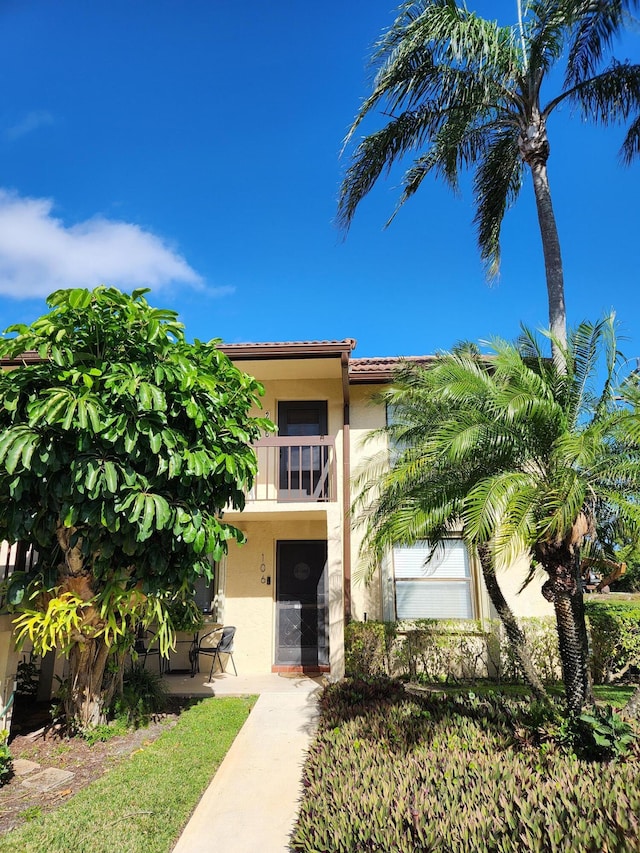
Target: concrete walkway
252,802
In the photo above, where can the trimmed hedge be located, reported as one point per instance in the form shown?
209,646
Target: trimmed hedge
367,647
615,638
396,772
429,650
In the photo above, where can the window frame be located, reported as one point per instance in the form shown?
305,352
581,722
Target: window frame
468,580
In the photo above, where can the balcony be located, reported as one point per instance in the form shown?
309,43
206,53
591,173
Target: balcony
295,469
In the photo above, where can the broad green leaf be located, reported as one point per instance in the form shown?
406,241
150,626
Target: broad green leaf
79,298
137,508
162,512
149,512
92,472
111,476
155,441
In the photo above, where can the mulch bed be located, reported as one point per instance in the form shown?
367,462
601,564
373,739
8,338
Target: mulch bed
33,738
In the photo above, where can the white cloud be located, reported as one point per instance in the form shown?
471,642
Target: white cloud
40,254
32,121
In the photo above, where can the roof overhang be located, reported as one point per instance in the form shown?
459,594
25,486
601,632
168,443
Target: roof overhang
287,349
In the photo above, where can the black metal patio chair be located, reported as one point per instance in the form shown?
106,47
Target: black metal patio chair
143,650
215,643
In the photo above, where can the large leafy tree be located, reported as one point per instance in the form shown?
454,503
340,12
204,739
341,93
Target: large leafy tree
120,446
523,457
463,92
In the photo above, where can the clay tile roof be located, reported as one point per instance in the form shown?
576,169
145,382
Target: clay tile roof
288,349
29,357
363,370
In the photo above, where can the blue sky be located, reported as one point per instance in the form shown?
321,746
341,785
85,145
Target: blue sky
194,147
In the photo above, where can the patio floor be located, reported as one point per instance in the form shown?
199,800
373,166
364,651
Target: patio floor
225,684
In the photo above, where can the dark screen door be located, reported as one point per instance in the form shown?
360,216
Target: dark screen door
302,611
302,468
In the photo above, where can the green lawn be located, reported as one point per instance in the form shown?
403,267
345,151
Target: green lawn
141,805
616,695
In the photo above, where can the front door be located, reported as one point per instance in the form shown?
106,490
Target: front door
302,606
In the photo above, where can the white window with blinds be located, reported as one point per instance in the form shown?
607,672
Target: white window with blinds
439,588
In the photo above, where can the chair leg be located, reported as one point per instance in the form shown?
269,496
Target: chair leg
192,660
222,669
213,663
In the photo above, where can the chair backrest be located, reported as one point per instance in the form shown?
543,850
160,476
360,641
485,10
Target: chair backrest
226,643
211,640
139,645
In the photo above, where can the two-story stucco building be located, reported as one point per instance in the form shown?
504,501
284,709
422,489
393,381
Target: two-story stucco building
291,587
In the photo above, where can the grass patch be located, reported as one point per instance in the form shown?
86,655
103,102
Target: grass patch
141,805
616,695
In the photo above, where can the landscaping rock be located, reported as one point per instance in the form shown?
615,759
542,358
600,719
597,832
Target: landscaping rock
22,767
48,779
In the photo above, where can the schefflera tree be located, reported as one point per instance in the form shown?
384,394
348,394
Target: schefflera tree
121,444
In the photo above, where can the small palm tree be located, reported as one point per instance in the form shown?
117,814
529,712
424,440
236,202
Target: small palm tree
520,455
463,92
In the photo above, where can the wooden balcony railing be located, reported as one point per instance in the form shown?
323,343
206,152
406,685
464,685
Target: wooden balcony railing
295,468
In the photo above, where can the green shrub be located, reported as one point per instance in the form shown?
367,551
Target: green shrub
27,676
542,640
367,647
6,761
144,694
615,638
600,734
104,732
448,650
445,649
393,771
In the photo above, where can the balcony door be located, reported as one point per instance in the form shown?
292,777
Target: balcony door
303,470
302,606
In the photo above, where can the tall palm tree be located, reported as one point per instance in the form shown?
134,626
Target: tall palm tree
462,92
524,457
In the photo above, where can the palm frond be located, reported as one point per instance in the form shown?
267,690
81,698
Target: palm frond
609,97
596,26
377,153
548,26
497,183
631,145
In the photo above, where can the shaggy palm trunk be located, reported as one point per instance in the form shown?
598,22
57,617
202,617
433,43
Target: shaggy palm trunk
514,633
534,148
632,708
84,703
564,590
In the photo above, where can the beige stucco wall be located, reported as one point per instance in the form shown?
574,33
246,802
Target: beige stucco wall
9,660
366,596
250,604
528,601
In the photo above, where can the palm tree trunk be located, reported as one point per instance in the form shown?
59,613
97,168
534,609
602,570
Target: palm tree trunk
565,591
513,631
552,259
632,708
